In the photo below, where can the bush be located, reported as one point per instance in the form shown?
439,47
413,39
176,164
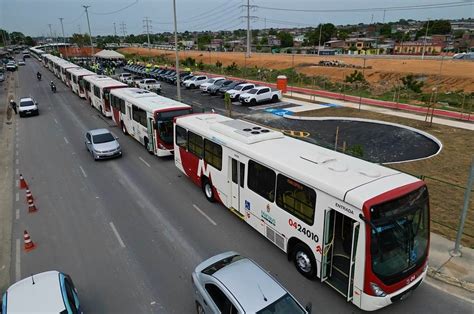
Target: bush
189,62
218,64
355,76
232,68
410,82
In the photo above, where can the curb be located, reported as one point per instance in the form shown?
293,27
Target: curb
435,274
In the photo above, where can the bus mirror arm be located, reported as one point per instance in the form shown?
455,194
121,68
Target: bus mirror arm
368,222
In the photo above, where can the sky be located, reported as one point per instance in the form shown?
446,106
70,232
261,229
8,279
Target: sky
33,16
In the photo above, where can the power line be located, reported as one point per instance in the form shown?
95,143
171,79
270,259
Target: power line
206,15
399,8
116,11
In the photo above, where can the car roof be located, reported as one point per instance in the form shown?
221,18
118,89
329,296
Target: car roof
250,284
42,296
98,131
26,99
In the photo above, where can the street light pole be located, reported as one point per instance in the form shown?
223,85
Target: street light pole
424,41
319,42
64,37
178,85
89,26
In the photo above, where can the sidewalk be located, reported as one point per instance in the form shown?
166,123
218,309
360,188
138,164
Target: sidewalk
306,102
457,272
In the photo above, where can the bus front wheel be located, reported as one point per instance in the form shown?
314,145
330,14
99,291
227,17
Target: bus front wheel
124,129
304,261
207,189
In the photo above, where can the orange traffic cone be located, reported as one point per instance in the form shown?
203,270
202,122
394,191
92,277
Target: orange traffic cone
29,196
23,184
31,206
29,245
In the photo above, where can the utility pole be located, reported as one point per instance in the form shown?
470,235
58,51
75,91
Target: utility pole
320,33
123,27
79,28
178,85
249,34
147,26
89,26
64,37
115,30
51,34
424,41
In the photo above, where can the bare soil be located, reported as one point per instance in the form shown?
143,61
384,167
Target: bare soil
455,75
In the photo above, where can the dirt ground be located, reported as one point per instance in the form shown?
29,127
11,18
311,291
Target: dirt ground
445,174
456,75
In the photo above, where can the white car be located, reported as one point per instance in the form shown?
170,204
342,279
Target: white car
260,94
11,66
195,81
124,76
28,106
48,292
149,84
239,90
203,87
21,62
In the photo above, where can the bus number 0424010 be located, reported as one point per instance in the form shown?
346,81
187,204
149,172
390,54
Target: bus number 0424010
303,230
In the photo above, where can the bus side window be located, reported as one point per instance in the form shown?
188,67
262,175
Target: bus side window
261,180
213,154
181,137
296,198
195,144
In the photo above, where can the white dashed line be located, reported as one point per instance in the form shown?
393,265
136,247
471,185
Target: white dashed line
17,161
17,171
117,234
83,172
143,160
65,139
17,214
16,145
17,196
56,121
205,215
17,261
16,153
196,103
17,182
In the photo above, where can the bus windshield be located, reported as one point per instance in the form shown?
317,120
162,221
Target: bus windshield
164,123
400,237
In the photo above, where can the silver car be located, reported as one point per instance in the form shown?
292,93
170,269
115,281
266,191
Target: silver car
231,283
102,144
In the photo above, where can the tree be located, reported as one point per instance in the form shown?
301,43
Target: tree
29,41
386,30
355,77
285,38
4,36
327,31
436,27
80,39
17,37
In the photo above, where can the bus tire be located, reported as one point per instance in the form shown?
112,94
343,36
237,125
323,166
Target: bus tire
304,261
208,189
124,129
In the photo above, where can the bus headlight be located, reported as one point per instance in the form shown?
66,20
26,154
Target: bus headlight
377,290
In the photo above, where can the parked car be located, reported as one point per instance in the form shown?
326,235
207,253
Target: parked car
21,62
239,90
259,95
221,91
102,144
47,292
212,90
203,87
149,84
133,81
124,76
28,106
185,78
173,79
195,81
231,283
2,77
11,66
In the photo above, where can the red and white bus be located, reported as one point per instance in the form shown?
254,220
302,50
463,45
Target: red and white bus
147,117
63,67
360,227
75,76
98,89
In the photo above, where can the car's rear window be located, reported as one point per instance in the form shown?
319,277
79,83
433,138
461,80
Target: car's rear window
103,138
26,103
221,264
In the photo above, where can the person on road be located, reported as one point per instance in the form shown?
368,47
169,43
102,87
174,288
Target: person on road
38,75
13,105
53,87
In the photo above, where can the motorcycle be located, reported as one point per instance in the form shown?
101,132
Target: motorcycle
53,88
38,77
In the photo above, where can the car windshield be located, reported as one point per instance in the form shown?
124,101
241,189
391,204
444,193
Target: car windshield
103,138
210,81
238,87
400,238
219,83
165,123
252,91
27,103
285,304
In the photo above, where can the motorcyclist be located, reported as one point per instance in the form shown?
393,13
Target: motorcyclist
38,75
53,87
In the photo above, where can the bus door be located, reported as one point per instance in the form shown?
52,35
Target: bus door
328,244
237,175
130,125
151,136
355,236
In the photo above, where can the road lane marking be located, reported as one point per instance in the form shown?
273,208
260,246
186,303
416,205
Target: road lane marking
16,145
17,171
17,214
17,196
143,160
17,161
16,153
65,139
17,182
56,121
117,234
17,261
196,103
83,172
205,215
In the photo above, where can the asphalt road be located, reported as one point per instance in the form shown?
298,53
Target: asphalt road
127,230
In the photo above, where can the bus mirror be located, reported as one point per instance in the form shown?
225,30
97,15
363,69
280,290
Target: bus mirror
309,307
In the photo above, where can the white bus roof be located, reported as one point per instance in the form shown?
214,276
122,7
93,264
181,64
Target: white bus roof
348,178
147,100
80,71
103,81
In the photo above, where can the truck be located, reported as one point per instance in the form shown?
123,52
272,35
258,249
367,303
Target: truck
150,84
260,94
